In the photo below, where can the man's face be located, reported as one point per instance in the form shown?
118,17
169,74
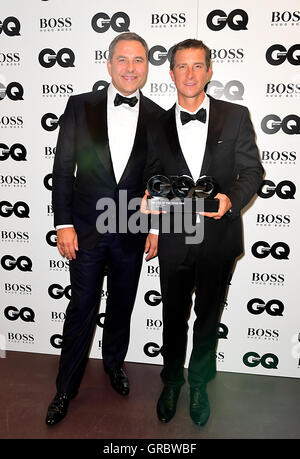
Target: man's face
129,66
190,74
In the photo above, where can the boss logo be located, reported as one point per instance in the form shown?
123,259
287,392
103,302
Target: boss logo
258,333
236,20
119,22
58,316
277,54
23,263
282,88
232,54
152,270
25,314
101,84
276,220
279,250
100,320
50,152
269,361
162,89
152,298
56,341
101,56
284,190
11,121
15,236
271,279
10,58
13,91
20,209
48,182
65,57
285,16
50,121
152,349
53,23
222,331
164,19
51,238
17,288
57,89
158,55
12,180
56,291
153,324
272,307
17,152
272,123
21,337
279,156
233,90
58,265
10,26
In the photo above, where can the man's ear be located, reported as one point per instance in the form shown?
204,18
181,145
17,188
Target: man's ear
172,75
109,66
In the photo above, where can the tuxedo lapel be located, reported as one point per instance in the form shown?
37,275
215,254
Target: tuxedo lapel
171,133
96,115
215,125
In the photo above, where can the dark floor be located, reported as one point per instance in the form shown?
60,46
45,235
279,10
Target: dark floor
243,406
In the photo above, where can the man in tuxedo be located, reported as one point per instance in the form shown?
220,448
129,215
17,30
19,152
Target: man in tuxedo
200,136
101,152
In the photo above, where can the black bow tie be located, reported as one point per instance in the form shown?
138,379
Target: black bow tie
131,101
200,116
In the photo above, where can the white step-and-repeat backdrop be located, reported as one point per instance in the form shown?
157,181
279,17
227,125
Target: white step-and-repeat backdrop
50,50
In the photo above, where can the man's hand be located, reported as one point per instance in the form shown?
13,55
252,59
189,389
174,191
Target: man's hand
151,246
67,242
144,209
224,206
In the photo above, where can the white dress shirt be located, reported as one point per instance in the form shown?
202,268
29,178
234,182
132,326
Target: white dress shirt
121,126
192,138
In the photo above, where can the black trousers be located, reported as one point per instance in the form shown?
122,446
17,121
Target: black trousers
87,273
206,274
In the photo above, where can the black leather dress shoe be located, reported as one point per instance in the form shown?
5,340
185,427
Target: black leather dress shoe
119,380
167,402
199,405
58,408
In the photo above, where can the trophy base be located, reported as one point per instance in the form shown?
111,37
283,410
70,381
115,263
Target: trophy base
183,205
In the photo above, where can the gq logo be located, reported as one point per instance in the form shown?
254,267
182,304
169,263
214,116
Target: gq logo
10,26
65,57
56,291
236,20
48,182
9,263
51,238
13,91
233,90
284,189
119,22
50,122
158,55
222,331
272,123
101,84
277,54
152,349
20,209
100,319
13,313
56,341
273,307
17,152
269,361
279,250
152,298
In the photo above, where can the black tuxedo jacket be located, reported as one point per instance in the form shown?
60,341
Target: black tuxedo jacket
231,157
83,171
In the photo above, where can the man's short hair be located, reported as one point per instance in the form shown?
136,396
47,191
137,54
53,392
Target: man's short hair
128,36
190,43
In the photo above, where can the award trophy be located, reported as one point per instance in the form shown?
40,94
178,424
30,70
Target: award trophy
179,193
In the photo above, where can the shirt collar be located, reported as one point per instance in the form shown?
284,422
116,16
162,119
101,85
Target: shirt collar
204,104
112,91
